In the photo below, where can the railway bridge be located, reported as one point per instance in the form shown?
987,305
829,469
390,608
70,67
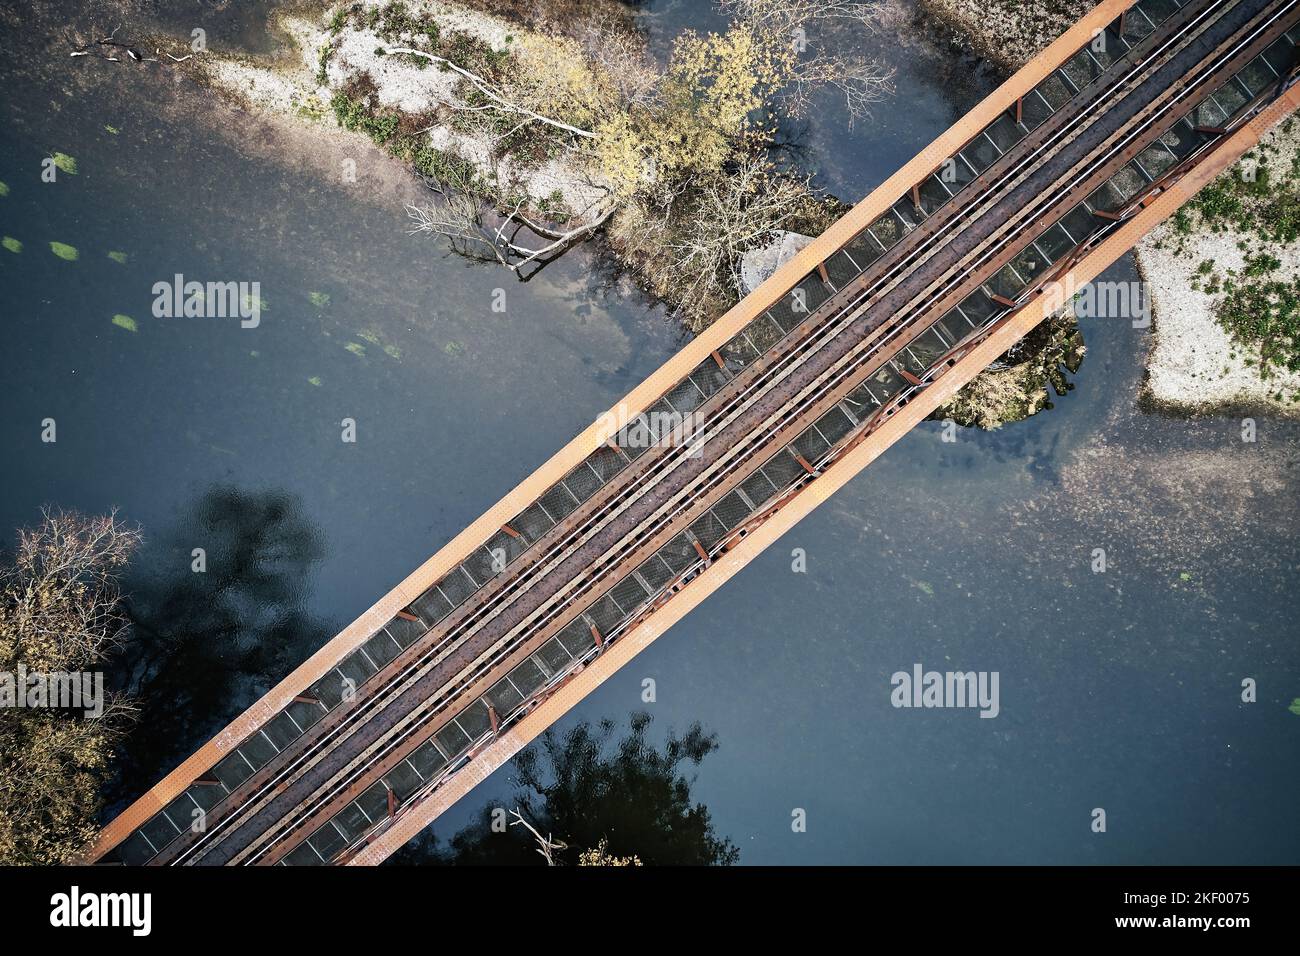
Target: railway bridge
797,388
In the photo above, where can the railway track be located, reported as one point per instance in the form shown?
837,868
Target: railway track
852,331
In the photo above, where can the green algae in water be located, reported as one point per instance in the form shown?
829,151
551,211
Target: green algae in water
4,189
315,380
125,322
356,348
65,251
453,348
112,129
12,244
392,351
319,299
118,257
1295,707
66,163
369,335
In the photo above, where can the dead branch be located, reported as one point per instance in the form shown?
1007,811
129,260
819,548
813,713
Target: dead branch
498,101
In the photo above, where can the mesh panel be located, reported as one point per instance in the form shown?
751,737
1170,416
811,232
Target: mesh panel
709,530
374,802
861,402
582,482
483,564
732,510
206,795
305,714
1232,96
1129,181
553,656
232,771
841,269
885,383
764,332
686,397
629,594
504,697
403,780
558,502
660,418
738,353
954,326
1258,76
356,667
1078,222
428,760
933,194
1136,26
708,377
1056,242
655,573
606,615
1006,283
135,850
532,523
927,347
811,445
834,425
635,438
327,841
906,210
474,720
757,488
863,249
576,638
282,730
528,677
404,632
452,739
782,469
679,554
979,153
1030,263
431,606
160,830
303,855
1034,110
457,586
509,546
887,230
181,812
351,821
606,462
328,690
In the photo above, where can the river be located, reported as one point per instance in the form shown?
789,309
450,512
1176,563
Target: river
1119,690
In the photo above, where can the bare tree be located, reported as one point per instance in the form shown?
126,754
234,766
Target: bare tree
546,846
519,241
735,214
59,613
862,81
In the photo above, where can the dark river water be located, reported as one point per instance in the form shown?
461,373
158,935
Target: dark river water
1119,690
